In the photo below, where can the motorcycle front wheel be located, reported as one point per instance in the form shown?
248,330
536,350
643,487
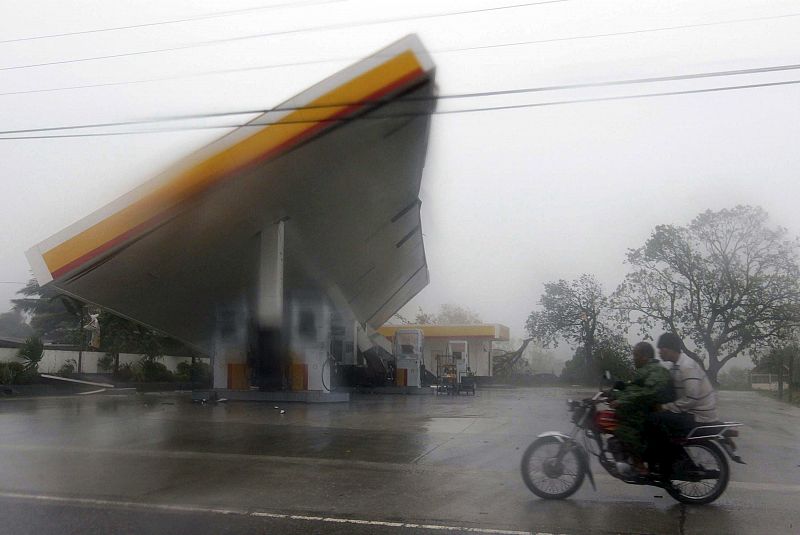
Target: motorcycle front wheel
552,469
701,476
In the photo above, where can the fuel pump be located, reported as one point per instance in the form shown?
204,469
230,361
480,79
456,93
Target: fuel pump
408,354
458,350
309,342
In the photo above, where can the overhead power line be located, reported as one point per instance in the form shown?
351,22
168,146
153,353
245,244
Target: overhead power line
418,114
434,52
630,32
206,16
478,94
328,27
624,97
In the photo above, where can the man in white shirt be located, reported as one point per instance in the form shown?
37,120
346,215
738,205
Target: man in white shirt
694,395
695,399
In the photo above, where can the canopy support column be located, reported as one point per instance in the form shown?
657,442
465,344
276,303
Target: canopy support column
270,304
247,344
268,352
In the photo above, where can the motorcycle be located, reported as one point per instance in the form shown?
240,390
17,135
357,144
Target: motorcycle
555,465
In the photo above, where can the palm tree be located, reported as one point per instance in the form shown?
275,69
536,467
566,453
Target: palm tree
54,316
31,352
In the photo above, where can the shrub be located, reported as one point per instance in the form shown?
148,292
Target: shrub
6,377
31,353
128,373
68,368
20,374
147,370
105,363
194,372
153,371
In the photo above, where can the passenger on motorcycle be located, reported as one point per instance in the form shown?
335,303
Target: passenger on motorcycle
695,400
650,387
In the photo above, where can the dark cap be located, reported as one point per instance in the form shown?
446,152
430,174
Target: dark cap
670,341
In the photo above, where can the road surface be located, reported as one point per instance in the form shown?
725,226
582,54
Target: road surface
384,464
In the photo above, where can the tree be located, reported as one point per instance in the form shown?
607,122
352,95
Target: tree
60,318
511,362
424,318
612,353
119,335
13,324
449,314
780,361
776,358
727,284
615,355
31,352
542,361
402,319
525,358
54,316
576,312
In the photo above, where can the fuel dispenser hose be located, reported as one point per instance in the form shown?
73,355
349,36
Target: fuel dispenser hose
329,362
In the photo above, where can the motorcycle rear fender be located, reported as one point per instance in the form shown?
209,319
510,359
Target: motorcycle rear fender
583,457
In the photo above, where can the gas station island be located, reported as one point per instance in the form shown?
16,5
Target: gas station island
467,348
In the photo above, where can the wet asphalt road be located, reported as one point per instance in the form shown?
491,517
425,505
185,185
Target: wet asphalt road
379,464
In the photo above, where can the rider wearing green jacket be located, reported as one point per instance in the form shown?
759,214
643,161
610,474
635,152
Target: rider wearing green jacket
650,386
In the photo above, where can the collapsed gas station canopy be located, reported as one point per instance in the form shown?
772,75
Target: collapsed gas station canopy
340,163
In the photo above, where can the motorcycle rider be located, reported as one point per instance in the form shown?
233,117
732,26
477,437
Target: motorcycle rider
695,399
649,387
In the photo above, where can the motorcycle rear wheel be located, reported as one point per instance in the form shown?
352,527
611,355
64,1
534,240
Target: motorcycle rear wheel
699,490
552,469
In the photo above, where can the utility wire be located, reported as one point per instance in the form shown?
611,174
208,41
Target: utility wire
420,114
630,32
217,14
338,26
434,52
624,97
175,77
480,94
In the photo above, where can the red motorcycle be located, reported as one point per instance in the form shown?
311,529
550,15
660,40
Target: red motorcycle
555,464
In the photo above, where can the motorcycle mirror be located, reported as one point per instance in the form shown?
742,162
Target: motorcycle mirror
605,380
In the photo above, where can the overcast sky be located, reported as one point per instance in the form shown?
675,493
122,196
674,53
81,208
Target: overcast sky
511,199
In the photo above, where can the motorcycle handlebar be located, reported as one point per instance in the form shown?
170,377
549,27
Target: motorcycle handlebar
600,397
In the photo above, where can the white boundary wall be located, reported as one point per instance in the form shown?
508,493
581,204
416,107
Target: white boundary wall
53,359
765,381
